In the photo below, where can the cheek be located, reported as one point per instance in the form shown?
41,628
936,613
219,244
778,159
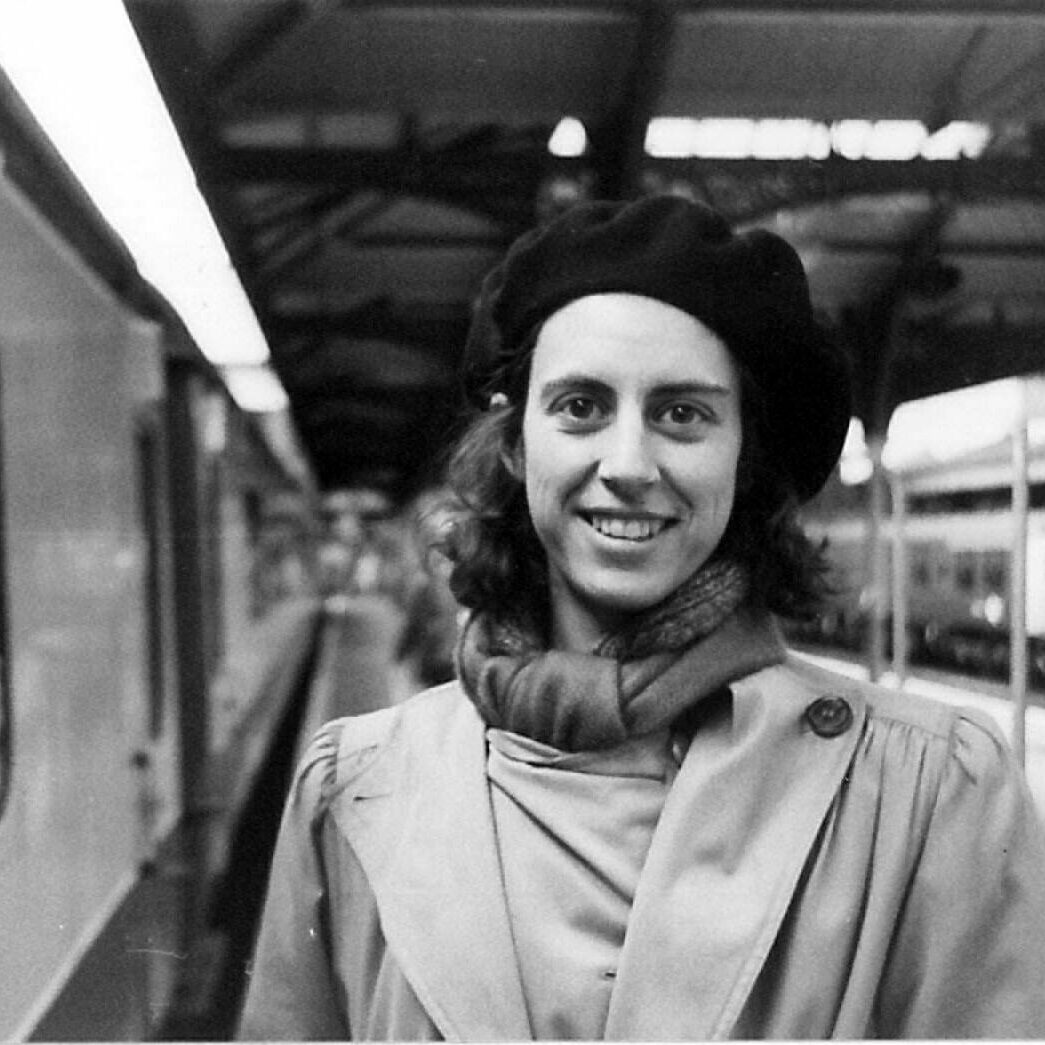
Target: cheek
540,459
728,491
712,474
728,499
541,498
548,488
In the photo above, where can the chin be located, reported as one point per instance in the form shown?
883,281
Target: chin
625,602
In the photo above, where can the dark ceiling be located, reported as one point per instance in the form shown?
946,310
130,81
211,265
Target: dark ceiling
367,162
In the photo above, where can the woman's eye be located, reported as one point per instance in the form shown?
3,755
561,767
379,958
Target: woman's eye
579,408
682,414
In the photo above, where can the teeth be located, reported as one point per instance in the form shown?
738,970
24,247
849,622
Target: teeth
627,529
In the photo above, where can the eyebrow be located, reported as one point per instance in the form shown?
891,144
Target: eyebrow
581,381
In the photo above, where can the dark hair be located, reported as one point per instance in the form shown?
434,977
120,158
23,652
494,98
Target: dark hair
498,563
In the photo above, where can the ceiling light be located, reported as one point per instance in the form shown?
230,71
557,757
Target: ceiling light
789,140
569,138
679,137
849,138
80,70
956,139
894,140
855,465
671,137
255,388
725,139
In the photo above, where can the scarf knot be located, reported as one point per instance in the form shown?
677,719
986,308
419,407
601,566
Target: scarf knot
634,682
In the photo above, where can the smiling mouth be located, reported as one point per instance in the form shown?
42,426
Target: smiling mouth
626,529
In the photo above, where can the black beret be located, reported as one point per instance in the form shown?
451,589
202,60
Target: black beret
748,288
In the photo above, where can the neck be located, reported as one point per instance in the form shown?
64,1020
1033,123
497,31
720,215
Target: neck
576,628
694,608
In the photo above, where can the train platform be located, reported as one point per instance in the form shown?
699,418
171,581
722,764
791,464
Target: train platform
355,668
358,668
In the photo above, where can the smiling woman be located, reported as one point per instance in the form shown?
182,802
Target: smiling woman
635,815
629,457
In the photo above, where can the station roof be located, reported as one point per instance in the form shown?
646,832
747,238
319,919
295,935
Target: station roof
367,162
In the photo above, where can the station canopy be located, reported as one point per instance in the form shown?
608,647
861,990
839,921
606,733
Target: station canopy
367,163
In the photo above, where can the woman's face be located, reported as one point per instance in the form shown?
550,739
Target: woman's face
631,438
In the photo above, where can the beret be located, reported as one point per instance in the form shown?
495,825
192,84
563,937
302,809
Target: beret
749,288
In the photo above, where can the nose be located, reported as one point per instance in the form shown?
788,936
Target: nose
627,462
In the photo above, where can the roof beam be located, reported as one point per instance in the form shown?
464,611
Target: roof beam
263,36
376,320
940,358
367,167
874,329
500,187
953,251
618,146
308,239
764,184
746,189
977,10
348,400
946,96
1018,86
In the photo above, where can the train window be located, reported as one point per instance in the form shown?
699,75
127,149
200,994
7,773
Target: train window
213,567
921,575
148,454
995,572
253,516
965,571
6,725
5,737
6,743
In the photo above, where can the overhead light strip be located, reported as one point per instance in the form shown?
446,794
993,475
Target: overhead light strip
80,69
671,137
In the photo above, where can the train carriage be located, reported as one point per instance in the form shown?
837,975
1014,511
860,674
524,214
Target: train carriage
152,543
958,531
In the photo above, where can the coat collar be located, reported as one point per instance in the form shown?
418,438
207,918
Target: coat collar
420,820
733,838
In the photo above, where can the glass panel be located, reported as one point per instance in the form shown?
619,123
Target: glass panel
147,449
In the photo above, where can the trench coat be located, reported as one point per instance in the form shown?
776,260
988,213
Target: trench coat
875,872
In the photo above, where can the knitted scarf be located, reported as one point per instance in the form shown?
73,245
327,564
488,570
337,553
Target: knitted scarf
639,680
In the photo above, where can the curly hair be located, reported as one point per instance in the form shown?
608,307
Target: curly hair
498,565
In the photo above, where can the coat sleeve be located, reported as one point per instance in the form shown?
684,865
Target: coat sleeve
968,958
291,994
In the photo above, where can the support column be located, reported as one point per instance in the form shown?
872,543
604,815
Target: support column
1018,575
878,579
899,575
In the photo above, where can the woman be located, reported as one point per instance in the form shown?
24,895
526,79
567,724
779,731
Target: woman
635,816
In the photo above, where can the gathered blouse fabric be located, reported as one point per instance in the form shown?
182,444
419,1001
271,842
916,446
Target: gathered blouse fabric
885,878
573,831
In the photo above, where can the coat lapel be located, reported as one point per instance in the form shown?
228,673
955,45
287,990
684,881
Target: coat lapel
420,821
733,838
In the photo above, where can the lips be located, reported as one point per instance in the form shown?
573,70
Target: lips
626,527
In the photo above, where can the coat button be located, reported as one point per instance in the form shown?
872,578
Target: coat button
829,716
